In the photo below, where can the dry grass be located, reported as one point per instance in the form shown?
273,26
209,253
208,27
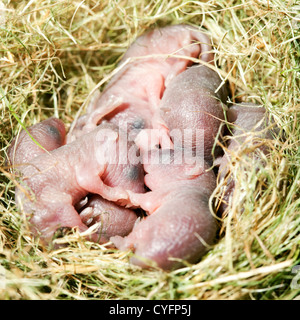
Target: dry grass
53,53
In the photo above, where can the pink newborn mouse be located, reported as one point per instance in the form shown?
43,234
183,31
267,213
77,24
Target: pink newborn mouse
247,120
193,109
180,225
52,183
131,99
113,220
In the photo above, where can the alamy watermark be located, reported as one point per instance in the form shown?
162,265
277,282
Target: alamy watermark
150,146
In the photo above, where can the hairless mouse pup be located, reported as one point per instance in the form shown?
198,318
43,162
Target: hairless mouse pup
131,99
193,107
180,225
53,182
246,121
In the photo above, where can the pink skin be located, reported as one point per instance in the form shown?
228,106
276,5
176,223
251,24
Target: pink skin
61,178
179,215
114,220
246,119
137,88
50,134
190,102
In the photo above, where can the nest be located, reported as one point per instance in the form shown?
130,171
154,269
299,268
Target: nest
53,54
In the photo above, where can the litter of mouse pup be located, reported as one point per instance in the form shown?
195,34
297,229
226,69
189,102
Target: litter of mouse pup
251,185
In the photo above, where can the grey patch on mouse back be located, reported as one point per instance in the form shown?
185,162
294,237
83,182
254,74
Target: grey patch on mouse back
138,124
54,133
133,173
